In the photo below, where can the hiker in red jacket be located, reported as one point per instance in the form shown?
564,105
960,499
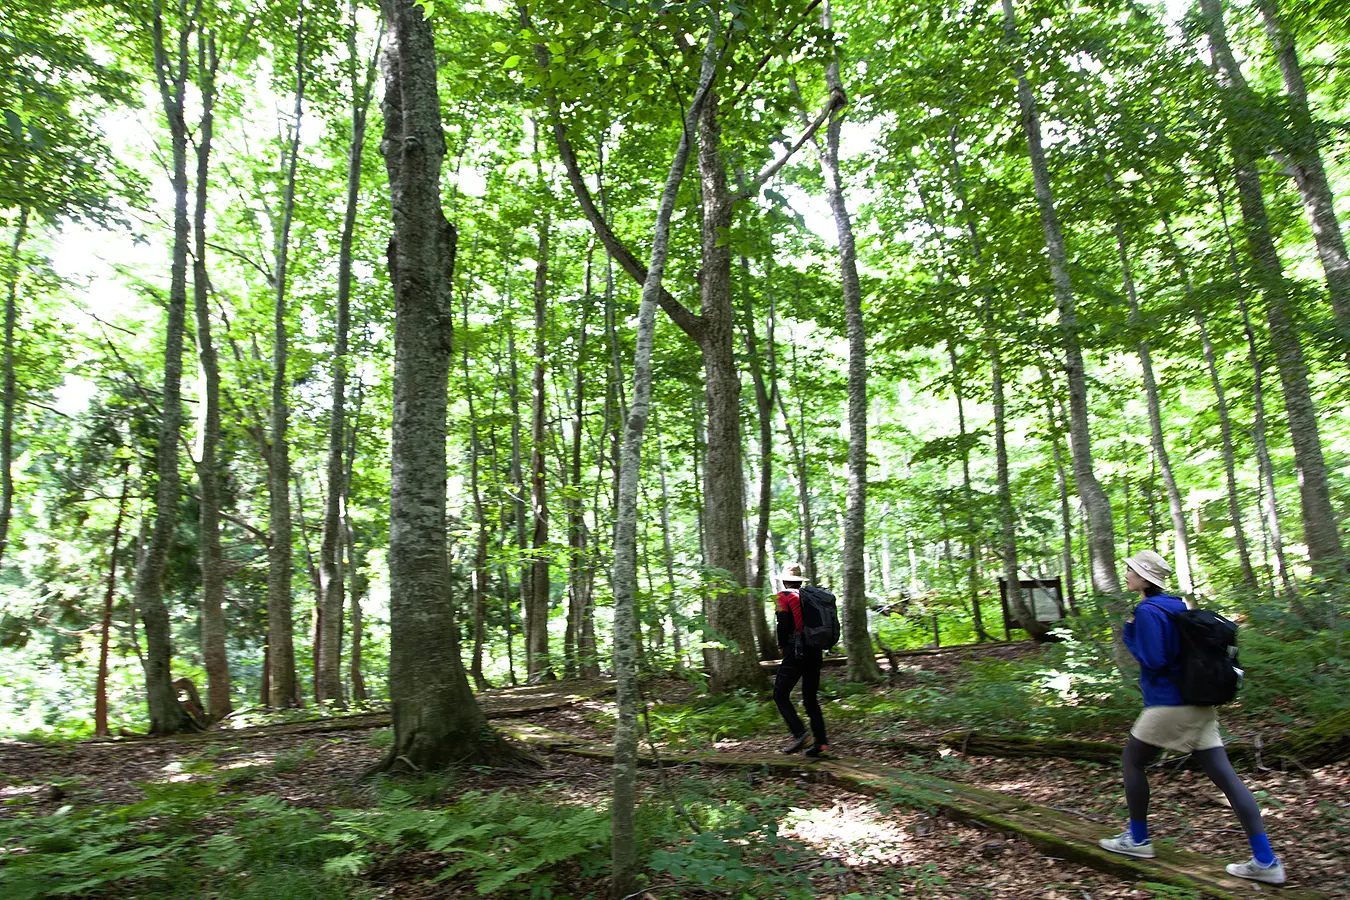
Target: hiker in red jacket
800,663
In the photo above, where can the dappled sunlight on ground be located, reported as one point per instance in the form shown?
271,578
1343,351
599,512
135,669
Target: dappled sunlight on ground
854,832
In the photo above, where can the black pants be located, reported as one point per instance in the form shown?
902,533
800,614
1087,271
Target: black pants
1214,761
803,666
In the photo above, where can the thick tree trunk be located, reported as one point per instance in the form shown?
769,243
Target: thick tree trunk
1320,532
105,629
624,845
166,715
10,393
862,661
208,469
1305,164
285,687
731,666
1102,549
437,721
536,616
332,578
1182,553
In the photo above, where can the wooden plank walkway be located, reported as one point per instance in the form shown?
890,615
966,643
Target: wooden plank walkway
1052,832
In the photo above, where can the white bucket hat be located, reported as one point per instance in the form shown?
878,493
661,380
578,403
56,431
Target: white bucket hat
792,572
1151,567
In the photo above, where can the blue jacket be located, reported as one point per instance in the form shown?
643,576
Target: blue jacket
1152,639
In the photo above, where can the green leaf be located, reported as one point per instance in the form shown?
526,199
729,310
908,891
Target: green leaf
498,47
511,62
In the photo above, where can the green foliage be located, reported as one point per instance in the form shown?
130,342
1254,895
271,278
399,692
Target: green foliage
709,719
740,855
501,842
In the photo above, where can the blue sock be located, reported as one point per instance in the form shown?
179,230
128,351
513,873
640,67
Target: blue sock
1139,831
1261,851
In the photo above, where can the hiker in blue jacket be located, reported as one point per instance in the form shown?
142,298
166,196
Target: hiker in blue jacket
1167,722
800,663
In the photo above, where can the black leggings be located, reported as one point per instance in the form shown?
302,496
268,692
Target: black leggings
803,666
1216,765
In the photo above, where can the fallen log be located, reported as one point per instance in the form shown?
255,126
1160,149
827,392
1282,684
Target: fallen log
883,660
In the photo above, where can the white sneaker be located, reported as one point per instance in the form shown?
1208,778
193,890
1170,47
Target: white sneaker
1125,844
1254,871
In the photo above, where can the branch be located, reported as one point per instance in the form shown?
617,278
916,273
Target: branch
773,49
230,251
836,100
688,322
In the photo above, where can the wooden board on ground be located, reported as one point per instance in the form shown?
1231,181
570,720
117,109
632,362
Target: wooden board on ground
1051,831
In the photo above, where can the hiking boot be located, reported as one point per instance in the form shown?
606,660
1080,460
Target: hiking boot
819,750
1254,871
1125,844
797,743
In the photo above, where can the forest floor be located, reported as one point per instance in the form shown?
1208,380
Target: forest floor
830,844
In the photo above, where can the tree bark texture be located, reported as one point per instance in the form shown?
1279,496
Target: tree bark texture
437,721
768,646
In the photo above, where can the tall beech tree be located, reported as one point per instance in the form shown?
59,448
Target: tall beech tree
437,721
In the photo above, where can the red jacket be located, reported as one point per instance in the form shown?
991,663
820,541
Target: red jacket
789,605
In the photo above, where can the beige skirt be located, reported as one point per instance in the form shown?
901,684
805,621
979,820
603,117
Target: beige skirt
1180,728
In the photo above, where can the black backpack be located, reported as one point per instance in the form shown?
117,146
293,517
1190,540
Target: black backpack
1207,672
820,618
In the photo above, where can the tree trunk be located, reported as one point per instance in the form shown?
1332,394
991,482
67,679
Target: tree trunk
1102,549
332,578
285,687
1305,164
166,715
518,485
478,580
862,661
105,631
578,569
967,495
536,616
624,845
10,394
437,721
673,606
1320,531
1182,554
208,469
1220,407
735,665
768,646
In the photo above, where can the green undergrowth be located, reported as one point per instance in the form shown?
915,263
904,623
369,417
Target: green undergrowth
1063,689
195,838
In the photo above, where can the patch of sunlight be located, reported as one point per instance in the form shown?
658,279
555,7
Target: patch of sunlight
855,832
1007,786
252,762
20,790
